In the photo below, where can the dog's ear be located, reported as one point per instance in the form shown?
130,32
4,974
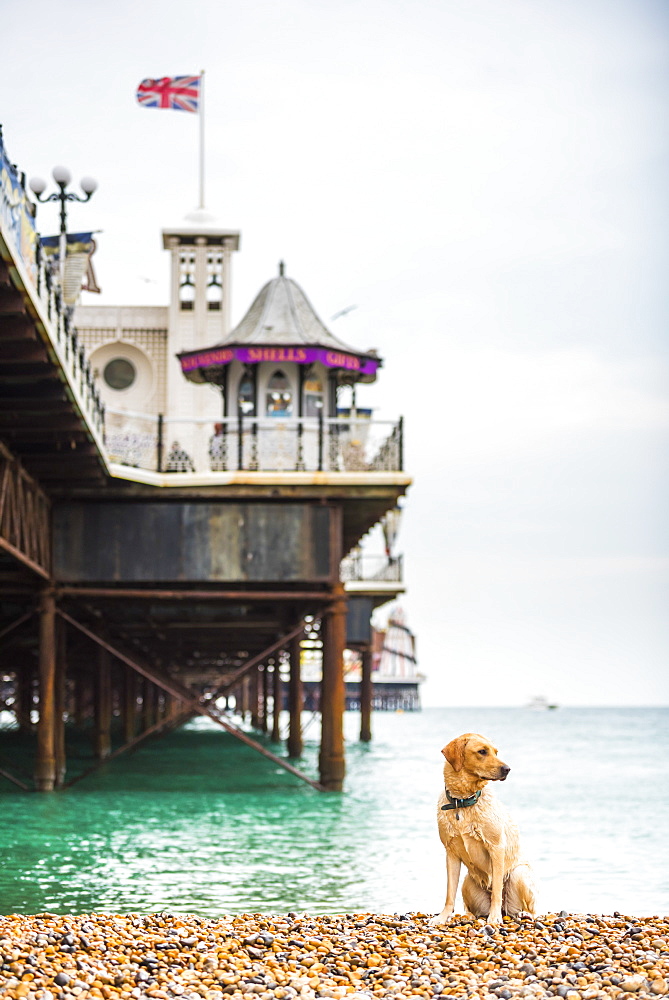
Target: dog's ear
454,752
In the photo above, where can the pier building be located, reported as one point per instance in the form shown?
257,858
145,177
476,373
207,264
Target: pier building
177,497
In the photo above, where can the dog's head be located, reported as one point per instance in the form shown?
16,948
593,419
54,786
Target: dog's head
476,756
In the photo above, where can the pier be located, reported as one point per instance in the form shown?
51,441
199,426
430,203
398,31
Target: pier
163,562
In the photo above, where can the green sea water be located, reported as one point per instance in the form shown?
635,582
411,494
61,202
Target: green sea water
197,822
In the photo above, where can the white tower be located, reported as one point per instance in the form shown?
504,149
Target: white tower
199,310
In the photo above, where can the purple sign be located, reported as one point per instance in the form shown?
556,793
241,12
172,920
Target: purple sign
297,355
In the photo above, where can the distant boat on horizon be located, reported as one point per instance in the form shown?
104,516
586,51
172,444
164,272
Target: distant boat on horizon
540,704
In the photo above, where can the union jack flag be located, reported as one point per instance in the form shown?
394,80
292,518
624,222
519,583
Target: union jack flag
181,93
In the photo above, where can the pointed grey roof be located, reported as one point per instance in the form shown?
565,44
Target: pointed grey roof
281,314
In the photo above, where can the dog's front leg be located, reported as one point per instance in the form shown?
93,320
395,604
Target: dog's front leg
452,879
497,860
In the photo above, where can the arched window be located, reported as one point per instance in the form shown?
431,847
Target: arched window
214,294
279,396
246,398
313,396
187,293
214,280
186,279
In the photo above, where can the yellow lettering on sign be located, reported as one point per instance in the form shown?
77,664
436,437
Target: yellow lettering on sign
341,360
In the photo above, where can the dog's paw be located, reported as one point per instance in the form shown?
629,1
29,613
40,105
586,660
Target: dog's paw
441,918
495,918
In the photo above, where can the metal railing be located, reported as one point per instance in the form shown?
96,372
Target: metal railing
41,284
357,567
25,515
64,335
253,444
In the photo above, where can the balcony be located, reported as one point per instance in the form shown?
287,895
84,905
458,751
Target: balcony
251,444
357,568
376,576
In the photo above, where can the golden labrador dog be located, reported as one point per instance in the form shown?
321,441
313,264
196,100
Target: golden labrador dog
477,831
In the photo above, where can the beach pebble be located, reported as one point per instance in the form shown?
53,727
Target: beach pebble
632,984
359,956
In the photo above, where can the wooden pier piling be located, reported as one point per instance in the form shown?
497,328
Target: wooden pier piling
366,694
45,764
333,694
129,704
295,698
277,698
103,705
59,702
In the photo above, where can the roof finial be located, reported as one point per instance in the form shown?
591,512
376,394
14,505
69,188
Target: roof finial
282,268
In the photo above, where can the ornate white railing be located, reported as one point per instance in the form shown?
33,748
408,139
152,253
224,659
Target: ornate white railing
253,444
359,567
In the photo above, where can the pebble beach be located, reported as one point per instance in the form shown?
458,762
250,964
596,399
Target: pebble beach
360,956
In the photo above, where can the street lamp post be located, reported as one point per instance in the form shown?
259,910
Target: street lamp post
62,177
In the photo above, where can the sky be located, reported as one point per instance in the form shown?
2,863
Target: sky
485,181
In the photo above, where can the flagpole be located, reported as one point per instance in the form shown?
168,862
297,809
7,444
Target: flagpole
201,114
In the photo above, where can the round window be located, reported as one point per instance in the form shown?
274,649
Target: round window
119,373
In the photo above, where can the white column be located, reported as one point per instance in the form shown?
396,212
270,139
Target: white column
200,304
180,338
225,280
